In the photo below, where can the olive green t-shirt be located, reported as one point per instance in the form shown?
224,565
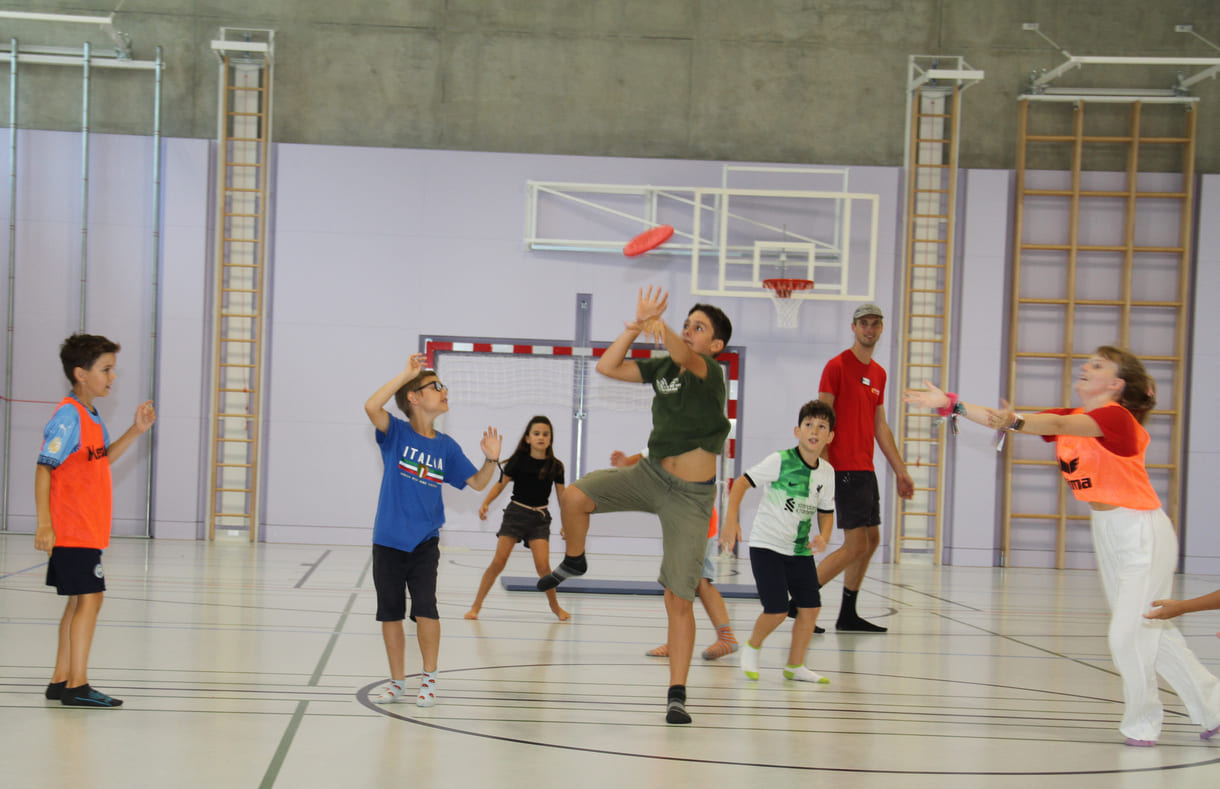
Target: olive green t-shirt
687,411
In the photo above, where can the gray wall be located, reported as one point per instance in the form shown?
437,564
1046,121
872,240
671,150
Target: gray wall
752,80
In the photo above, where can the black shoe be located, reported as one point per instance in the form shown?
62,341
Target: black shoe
55,690
676,712
858,625
818,630
85,696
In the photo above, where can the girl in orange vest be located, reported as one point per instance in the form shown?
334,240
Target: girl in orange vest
1100,447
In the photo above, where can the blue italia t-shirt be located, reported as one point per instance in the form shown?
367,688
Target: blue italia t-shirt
410,508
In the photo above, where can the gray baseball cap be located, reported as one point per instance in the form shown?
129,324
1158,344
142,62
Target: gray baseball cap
867,309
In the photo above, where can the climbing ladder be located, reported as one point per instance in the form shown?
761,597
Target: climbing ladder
924,329
239,306
1062,308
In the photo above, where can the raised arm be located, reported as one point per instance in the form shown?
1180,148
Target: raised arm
491,458
145,416
614,362
374,407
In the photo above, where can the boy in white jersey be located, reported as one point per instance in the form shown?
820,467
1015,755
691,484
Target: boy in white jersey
799,484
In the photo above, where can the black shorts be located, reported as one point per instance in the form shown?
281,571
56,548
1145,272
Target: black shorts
74,571
525,524
395,573
857,499
779,577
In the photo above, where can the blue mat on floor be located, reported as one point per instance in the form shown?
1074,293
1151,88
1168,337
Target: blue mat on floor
600,586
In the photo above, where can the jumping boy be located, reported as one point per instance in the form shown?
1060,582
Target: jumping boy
798,486
410,512
677,480
72,494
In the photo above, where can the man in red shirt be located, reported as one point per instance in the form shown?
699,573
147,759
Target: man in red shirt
854,385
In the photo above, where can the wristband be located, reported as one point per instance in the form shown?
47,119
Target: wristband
487,460
959,408
1017,424
950,407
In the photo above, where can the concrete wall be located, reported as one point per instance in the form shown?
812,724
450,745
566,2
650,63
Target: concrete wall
765,80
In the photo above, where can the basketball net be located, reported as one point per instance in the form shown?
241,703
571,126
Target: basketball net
787,309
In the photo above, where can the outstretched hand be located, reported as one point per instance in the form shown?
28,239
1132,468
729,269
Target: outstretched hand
1001,418
932,397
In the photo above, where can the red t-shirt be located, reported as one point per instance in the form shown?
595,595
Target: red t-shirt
859,389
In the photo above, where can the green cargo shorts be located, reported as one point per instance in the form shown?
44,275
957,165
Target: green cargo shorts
685,509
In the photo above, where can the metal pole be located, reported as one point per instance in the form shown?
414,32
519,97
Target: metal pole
156,271
12,277
584,315
84,177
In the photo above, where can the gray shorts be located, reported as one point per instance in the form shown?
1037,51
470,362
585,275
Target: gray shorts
685,508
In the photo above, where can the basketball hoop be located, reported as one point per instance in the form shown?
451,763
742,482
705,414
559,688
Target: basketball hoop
786,308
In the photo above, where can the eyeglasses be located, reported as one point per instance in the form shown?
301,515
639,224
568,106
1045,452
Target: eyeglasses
437,385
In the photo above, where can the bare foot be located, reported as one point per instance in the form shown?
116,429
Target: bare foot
472,614
562,614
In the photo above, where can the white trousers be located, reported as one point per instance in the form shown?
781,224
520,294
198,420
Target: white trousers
1137,552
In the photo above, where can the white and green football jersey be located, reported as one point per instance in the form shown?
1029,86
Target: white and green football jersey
793,493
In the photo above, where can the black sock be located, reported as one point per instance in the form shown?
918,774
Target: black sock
573,565
848,609
55,690
675,709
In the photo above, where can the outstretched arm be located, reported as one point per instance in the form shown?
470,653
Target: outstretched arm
1005,418
374,407
491,496
1168,609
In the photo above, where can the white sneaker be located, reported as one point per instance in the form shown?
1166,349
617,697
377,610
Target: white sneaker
749,661
392,693
803,674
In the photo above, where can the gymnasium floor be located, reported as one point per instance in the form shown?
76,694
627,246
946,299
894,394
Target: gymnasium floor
247,666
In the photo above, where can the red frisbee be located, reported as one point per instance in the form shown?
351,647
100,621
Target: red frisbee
649,239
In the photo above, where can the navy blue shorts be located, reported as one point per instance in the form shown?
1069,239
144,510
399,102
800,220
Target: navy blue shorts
74,571
857,499
779,577
397,573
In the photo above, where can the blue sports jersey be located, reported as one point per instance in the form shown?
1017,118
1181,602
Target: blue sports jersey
61,436
410,508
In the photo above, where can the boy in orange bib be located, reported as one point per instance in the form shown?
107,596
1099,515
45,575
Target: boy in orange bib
72,497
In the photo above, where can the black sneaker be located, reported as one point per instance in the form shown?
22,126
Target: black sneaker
675,712
858,625
85,696
55,690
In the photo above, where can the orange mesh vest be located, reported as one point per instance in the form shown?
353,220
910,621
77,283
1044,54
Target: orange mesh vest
1096,474
80,489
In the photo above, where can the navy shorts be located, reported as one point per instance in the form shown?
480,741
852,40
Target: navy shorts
525,524
779,577
857,499
396,573
74,571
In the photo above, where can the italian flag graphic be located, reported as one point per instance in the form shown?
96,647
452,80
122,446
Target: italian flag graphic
419,470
